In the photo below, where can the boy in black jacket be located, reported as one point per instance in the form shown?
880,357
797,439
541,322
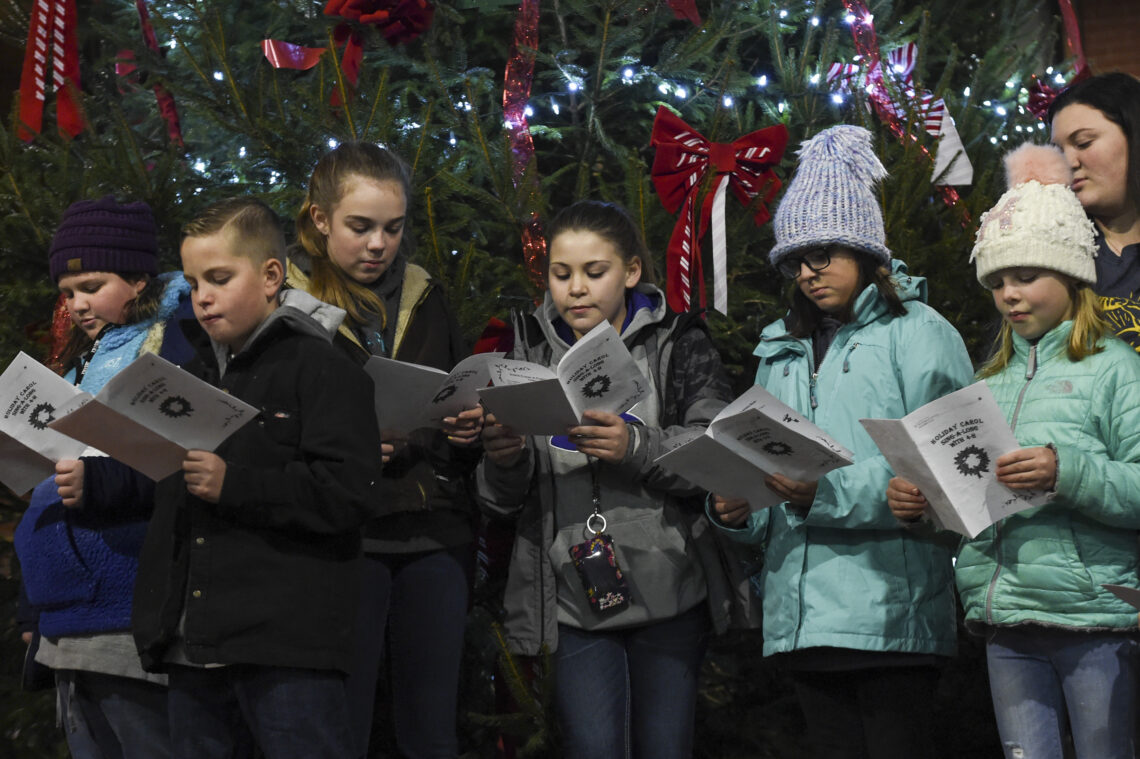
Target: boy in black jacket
247,580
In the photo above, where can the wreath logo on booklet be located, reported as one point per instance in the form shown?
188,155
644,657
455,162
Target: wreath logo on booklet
41,416
175,407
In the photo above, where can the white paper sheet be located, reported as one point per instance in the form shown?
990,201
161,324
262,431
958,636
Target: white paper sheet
151,413
754,436
30,398
410,396
949,449
597,373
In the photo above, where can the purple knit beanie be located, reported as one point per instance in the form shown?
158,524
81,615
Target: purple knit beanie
102,235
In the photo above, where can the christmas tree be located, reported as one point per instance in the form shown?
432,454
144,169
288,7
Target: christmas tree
506,113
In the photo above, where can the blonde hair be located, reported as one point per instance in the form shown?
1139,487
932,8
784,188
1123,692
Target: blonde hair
1089,329
252,225
327,185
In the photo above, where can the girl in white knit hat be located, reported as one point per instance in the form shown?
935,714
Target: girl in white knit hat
1060,648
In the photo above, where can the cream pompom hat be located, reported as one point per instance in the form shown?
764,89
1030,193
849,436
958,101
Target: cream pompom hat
1038,222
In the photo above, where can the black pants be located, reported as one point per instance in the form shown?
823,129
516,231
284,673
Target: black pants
871,713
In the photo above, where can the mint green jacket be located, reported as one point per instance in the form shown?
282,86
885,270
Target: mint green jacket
848,574
1046,565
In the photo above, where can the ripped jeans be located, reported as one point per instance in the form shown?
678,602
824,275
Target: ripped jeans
1041,676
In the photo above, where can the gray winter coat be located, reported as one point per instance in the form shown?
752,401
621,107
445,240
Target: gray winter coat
670,557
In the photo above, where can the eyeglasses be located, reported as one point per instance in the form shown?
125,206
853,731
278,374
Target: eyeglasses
817,259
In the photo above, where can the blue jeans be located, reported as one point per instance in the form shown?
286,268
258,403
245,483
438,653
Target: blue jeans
222,712
417,603
112,717
1038,676
630,692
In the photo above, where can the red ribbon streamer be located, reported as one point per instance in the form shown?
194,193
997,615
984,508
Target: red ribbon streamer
683,158
286,55
51,34
162,96
867,45
517,80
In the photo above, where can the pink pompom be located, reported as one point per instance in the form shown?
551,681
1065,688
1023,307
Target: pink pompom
1044,163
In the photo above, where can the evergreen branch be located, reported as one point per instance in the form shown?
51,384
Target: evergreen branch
340,84
39,233
602,54
425,120
128,137
431,230
473,120
218,45
376,102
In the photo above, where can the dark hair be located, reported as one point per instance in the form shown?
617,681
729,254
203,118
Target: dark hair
143,306
255,226
1117,96
327,185
804,316
609,221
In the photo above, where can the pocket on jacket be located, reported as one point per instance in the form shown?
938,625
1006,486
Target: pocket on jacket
282,426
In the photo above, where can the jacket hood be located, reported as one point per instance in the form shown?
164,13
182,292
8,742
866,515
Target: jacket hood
296,310
869,306
652,313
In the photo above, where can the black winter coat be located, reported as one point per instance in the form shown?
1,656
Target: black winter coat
268,575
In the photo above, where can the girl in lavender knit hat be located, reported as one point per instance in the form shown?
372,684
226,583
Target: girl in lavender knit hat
857,608
79,540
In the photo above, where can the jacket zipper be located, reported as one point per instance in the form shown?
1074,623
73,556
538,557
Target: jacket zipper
1030,371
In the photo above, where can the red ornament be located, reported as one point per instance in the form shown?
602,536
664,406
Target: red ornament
398,20
682,160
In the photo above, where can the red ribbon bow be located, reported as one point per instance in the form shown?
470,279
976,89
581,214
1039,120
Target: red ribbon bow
683,158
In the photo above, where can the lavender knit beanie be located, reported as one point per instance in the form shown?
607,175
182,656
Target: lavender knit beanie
832,198
102,235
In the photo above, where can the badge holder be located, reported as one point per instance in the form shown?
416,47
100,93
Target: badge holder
597,566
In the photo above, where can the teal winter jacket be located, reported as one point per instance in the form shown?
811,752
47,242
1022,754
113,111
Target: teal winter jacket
846,574
1046,565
